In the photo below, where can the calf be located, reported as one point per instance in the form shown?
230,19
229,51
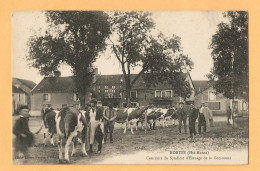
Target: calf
70,122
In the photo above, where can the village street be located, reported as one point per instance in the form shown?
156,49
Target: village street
137,148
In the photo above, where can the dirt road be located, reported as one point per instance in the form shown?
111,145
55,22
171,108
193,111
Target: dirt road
221,137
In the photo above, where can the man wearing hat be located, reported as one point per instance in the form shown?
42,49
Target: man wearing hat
182,117
192,119
202,120
94,116
24,136
109,117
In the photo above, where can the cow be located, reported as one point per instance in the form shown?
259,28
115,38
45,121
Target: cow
152,116
167,114
70,122
49,125
130,116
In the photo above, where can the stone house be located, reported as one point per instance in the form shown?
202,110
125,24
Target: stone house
217,102
111,89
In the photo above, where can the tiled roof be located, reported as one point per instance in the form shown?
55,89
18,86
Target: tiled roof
28,83
66,84
139,84
201,85
17,90
55,84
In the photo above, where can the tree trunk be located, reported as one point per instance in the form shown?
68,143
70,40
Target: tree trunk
128,100
82,100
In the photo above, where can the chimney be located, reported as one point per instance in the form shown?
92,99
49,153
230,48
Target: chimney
57,73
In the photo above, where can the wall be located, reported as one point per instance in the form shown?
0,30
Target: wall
203,97
26,89
16,102
56,100
146,97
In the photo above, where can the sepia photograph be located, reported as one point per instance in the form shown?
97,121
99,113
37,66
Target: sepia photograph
130,87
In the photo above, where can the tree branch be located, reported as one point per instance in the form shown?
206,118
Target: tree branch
115,50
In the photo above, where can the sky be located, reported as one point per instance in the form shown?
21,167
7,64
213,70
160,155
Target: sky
194,27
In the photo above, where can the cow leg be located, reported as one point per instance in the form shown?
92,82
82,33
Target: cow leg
131,126
125,127
66,155
60,150
142,125
51,139
136,126
84,138
73,147
44,139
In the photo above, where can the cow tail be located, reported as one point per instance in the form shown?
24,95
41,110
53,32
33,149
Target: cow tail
37,132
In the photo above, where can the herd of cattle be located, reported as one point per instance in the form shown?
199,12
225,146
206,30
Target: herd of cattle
70,124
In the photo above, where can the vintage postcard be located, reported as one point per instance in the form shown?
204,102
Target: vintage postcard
130,87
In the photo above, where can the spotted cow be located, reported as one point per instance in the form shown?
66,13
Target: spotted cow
70,122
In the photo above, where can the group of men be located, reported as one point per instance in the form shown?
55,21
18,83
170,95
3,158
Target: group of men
204,115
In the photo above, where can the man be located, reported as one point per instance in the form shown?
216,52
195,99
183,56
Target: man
94,116
43,112
209,114
109,118
228,115
202,121
192,119
24,137
182,117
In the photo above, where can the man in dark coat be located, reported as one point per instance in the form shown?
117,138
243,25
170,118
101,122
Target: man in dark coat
192,119
109,122
182,117
94,116
24,136
228,115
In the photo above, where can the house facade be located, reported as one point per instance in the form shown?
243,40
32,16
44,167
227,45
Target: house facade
19,98
26,86
56,92
59,92
111,89
217,102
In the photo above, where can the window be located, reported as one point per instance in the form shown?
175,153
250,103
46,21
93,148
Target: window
64,105
110,95
113,87
46,97
106,87
76,97
244,106
212,95
168,93
133,94
158,93
19,97
106,91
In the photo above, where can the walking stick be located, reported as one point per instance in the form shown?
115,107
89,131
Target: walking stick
145,122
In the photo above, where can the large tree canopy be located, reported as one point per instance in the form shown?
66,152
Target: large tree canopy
74,38
230,54
134,45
